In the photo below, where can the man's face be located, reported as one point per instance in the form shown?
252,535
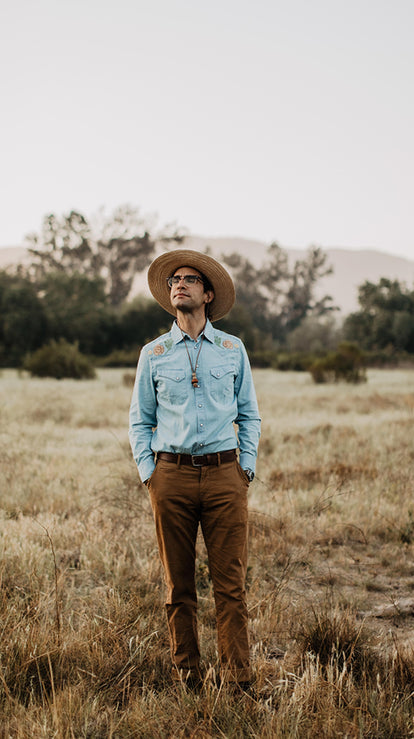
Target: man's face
189,298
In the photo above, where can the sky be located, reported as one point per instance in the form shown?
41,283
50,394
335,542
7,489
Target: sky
288,121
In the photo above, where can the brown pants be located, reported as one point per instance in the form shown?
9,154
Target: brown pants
216,497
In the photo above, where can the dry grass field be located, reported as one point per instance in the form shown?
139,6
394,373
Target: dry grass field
83,645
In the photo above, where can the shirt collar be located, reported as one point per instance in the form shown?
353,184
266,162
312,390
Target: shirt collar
177,336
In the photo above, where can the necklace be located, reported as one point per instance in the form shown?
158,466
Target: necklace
194,380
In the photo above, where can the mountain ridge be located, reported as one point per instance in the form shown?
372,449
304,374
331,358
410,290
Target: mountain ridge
351,267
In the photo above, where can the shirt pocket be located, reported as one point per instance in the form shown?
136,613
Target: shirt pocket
222,383
171,385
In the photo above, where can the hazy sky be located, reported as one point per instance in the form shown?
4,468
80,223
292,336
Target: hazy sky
283,121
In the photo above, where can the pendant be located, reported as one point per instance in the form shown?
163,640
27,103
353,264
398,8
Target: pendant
194,380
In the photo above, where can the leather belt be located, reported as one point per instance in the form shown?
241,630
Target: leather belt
199,460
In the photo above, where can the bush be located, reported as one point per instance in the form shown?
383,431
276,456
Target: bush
263,358
128,379
119,358
294,362
59,359
284,361
388,358
346,364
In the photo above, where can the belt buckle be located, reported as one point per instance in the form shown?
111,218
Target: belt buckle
196,456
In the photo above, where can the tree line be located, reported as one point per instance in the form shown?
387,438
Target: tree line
78,283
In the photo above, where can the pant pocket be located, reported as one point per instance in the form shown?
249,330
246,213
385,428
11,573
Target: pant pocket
242,474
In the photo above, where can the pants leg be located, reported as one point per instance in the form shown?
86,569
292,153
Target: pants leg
181,497
224,519
175,504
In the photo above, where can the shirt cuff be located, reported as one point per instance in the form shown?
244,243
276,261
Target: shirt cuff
146,469
247,461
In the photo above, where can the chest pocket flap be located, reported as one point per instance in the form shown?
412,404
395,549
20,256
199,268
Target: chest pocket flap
171,374
222,370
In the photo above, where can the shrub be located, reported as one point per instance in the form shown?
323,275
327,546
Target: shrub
347,364
283,361
59,359
263,358
120,358
128,379
294,361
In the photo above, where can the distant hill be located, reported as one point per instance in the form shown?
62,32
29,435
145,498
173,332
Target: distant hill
351,267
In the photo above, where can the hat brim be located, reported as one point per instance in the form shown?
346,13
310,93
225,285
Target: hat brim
165,265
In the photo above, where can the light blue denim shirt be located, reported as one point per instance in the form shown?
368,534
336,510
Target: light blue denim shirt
167,414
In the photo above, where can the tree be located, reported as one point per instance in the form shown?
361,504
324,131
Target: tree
23,323
403,331
77,310
291,306
314,335
279,296
240,322
113,248
385,318
140,321
249,291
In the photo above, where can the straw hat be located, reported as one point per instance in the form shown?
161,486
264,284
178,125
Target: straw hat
165,266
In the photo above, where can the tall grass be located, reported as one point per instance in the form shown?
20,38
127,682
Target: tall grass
83,644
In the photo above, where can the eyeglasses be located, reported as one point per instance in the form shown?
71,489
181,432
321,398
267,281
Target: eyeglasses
187,279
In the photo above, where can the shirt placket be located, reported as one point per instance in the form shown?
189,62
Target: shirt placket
199,400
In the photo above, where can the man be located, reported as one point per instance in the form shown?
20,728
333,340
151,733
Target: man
192,384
